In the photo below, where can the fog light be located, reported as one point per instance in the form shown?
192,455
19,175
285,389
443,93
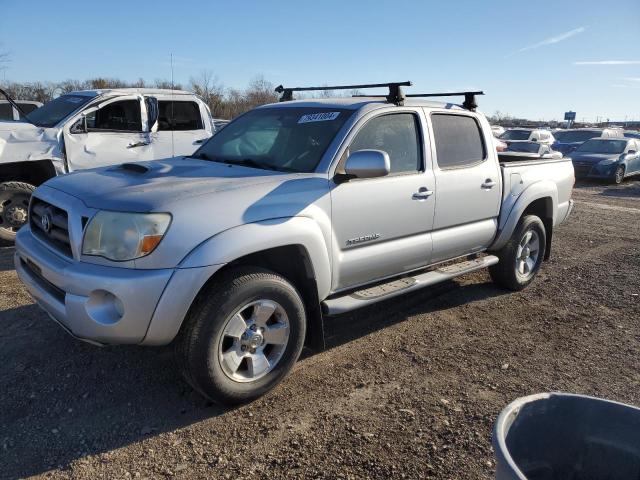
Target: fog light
104,307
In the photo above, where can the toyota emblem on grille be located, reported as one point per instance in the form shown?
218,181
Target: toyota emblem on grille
45,221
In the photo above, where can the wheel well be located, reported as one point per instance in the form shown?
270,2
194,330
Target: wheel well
293,263
34,172
543,208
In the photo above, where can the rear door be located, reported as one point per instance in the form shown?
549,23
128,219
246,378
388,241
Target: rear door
182,127
116,133
382,226
468,186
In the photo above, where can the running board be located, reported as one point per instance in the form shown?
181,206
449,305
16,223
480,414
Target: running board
378,293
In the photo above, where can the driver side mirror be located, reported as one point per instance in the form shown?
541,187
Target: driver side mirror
367,164
80,126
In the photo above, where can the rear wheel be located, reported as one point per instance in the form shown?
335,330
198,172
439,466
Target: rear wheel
619,176
14,208
521,257
242,337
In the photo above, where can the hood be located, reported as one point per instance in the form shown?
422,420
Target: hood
152,185
593,158
21,141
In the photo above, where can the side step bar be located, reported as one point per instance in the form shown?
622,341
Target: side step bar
378,293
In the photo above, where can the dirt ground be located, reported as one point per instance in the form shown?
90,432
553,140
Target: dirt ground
408,389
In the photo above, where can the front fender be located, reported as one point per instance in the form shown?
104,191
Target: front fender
544,189
246,239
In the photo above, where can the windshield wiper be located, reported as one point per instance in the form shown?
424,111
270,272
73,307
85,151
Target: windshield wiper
250,162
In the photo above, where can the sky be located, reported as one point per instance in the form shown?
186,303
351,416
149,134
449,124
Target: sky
532,59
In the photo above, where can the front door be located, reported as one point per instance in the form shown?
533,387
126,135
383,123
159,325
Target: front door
181,129
382,226
115,133
468,185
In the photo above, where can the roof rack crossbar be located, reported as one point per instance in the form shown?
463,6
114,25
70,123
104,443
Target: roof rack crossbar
469,97
395,95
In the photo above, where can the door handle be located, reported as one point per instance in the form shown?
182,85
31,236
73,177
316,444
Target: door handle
488,184
138,144
422,194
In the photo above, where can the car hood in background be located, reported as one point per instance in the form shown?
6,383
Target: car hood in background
593,158
21,141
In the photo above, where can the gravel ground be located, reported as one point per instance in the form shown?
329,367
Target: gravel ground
408,389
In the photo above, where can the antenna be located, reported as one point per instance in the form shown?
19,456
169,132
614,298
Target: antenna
173,150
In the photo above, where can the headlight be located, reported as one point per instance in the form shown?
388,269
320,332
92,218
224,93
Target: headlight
124,236
608,161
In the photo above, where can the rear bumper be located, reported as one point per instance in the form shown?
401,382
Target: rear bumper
107,305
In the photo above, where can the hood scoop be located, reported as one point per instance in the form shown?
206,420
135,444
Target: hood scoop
133,167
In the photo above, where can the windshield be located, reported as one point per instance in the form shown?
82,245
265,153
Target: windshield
51,113
285,139
603,146
516,135
571,136
527,147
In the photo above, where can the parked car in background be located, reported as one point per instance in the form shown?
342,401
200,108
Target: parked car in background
9,113
568,140
527,135
293,211
220,123
519,151
607,159
497,130
89,129
631,134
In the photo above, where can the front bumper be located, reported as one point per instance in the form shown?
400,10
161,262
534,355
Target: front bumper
107,305
595,171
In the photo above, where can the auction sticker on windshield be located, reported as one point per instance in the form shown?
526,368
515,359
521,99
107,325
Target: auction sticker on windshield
318,117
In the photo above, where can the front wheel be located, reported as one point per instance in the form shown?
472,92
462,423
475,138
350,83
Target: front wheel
619,175
14,208
242,336
521,257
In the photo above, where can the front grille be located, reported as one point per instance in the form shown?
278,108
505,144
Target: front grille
50,224
581,171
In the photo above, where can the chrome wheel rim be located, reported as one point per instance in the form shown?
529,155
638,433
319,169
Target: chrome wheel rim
527,254
13,211
253,340
619,174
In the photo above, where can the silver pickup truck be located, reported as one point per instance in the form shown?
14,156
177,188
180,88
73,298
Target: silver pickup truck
292,212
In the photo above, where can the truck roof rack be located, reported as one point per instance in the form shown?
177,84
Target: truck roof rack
395,95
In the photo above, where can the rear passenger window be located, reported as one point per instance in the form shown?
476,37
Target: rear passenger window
396,134
179,116
6,111
458,140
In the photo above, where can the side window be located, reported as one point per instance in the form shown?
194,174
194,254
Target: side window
179,116
27,108
6,111
123,116
458,140
396,134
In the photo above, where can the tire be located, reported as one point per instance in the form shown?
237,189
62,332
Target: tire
510,272
210,348
14,207
619,175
